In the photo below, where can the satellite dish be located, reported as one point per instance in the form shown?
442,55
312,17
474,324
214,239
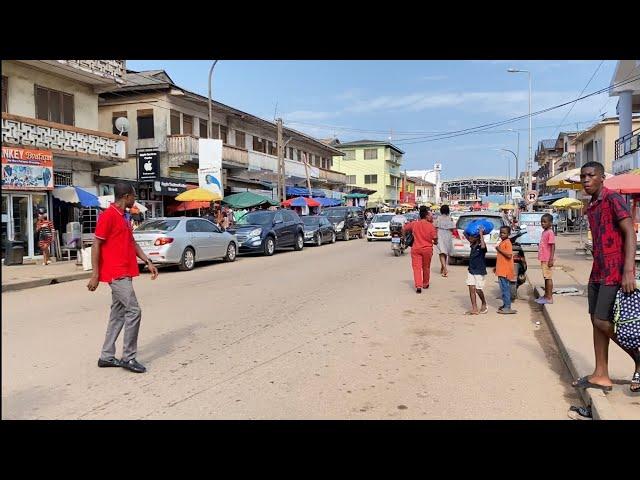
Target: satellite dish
122,124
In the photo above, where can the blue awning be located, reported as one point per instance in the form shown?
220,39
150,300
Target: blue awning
328,202
304,192
554,196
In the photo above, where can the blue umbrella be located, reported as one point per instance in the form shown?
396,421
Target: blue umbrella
76,195
328,202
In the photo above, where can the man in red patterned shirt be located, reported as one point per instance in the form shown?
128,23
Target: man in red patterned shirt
113,257
614,250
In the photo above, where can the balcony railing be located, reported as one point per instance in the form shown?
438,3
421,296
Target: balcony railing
332,177
63,139
185,148
627,144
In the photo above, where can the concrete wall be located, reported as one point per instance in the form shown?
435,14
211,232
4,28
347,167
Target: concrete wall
21,93
604,138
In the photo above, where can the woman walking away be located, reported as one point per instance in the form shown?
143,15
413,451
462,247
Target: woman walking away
445,227
424,237
44,228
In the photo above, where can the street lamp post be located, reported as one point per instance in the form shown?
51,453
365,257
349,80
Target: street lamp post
530,160
509,165
517,155
209,125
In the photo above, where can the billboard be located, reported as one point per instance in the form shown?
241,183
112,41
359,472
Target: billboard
25,169
210,165
148,164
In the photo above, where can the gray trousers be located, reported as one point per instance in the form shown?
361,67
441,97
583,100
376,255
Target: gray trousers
126,312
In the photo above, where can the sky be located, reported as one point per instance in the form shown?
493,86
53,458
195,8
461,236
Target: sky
410,101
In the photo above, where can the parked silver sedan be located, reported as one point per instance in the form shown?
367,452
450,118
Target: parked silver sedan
183,241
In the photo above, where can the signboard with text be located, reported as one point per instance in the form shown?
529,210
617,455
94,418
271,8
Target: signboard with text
148,165
25,169
169,186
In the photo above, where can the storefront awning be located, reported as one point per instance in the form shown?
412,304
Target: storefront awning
304,192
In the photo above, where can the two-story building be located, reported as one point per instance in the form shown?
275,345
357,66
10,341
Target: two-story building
598,142
565,143
425,191
627,145
168,119
374,165
51,138
546,156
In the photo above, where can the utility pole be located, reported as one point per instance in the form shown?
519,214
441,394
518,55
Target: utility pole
306,172
281,171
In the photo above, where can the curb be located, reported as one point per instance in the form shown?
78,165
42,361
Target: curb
45,281
601,408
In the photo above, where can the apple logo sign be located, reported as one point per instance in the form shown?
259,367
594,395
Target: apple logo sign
147,166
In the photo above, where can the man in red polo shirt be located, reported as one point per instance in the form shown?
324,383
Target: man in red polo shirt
113,256
614,251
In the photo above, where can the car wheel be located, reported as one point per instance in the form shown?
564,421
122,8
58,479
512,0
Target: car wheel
231,253
369,239
299,242
269,246
333,237
319,240
188,260
361,234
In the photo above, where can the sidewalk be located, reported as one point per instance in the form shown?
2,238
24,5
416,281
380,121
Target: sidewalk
19,277
568,319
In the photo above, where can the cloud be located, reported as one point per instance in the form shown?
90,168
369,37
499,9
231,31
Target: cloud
349,94
435,78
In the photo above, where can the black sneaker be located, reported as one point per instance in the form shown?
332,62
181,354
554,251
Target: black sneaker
418,290
112,362
134,366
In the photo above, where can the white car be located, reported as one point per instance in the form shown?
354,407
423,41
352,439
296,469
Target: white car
461,248
379,227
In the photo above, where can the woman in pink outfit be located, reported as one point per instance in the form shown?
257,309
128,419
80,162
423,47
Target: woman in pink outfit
424,237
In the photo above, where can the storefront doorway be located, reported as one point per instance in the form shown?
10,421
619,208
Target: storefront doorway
19,216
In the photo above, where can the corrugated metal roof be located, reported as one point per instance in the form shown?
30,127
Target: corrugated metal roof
548,143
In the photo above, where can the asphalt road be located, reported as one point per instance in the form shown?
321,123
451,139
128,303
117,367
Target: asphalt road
335,332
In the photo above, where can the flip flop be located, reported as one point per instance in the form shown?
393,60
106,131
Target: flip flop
635,381
470,313
584,382
486,310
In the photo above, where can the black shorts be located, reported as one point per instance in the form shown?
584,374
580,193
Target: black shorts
601,300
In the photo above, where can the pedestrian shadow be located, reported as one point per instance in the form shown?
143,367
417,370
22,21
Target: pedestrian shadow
166,343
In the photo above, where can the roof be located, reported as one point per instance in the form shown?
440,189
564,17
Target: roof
369,143
420,181
548,143
158,79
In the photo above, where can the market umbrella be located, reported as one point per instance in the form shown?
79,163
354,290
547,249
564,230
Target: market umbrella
247,200
625,184
506,206
562,180
301,202
199,195
106,200
76,195
328,202
570,203
184,206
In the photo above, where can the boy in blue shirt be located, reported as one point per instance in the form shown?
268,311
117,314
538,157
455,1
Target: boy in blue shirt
477,272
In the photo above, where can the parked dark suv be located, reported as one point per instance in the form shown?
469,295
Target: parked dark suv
267,230
348,221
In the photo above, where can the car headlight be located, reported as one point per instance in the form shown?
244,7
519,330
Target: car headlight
340,226
308,234
256,232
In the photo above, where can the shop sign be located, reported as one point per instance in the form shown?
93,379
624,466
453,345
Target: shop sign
169,186
24,169
148,165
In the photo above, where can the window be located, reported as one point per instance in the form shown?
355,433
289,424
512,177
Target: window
298,155
207,226
175,122
350,155
187,125
259,145
145,124
62,178
351,179
288,216
370,179
203,129
241,139
223,134
371,154
114,117
89,219
272,149
5,84
291,153
54,106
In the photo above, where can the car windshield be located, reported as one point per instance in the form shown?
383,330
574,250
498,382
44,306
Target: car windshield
158,226
338,213
467,219
311,221
382,218
411,216
256,218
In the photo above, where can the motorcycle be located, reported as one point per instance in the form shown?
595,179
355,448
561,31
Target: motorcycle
397,239
519,261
